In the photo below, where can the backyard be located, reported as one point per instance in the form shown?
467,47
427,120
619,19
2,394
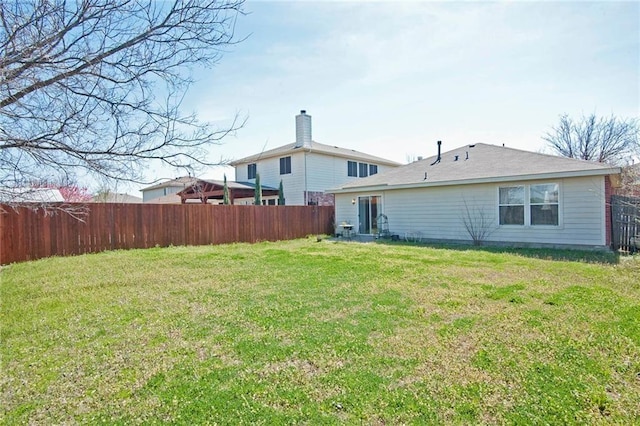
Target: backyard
319,332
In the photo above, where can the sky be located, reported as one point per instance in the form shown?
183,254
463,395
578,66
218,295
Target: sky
392,78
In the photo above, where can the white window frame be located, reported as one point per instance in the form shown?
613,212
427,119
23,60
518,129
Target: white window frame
524,205
549,202
528,204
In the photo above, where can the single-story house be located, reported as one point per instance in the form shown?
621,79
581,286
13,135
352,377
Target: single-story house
30,195
486,194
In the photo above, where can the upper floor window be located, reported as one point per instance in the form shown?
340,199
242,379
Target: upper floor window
285,165
251,171
363,169
352,168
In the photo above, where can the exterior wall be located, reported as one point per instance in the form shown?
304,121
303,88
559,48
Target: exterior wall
269,171
323,172
328,172
151,194
437,213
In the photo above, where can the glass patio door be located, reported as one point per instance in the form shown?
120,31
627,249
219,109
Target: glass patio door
368,211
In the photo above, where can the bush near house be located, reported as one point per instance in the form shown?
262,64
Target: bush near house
321,333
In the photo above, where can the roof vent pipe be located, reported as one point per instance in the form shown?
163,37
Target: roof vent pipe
303,130
438,158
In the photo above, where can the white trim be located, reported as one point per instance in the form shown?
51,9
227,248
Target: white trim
342,153
500,179
527,205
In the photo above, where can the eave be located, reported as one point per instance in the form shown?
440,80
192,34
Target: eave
500,179
359,156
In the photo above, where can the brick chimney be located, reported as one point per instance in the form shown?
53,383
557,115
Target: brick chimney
303,130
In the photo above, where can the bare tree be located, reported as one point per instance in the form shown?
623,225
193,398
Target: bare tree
630,181
605,139
478,224
94,87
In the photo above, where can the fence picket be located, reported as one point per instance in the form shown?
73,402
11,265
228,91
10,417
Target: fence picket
625,222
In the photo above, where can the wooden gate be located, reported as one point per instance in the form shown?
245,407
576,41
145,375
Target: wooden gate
625,222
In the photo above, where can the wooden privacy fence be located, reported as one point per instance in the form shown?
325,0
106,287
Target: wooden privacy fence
27,234
625,223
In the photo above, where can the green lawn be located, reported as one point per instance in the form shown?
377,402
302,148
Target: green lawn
321,333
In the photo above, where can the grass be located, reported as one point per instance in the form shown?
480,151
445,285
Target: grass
321,333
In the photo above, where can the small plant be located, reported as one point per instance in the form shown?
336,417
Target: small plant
258,192
478,223
281,200
225,192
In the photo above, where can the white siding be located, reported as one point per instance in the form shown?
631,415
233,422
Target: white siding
269,171
241,173
309,171
329,172
152,194
437,213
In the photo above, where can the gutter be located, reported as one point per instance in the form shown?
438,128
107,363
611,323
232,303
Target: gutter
291,151
529,177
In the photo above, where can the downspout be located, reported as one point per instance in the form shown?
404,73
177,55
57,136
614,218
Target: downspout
306,192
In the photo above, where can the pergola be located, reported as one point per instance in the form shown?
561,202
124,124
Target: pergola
204,190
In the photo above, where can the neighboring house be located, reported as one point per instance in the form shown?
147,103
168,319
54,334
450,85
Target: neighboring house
308,168
212,191
30,195
509,196
164,192
115,197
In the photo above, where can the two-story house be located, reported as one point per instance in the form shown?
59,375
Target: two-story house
308,168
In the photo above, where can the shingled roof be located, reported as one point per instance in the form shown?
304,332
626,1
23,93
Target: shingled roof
317,148
182,181
479,163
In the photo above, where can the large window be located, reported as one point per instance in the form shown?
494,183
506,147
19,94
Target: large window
533,205
356,169
352,168
251,171
512,205
285,165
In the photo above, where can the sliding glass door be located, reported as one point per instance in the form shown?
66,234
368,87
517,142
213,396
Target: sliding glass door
369,208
